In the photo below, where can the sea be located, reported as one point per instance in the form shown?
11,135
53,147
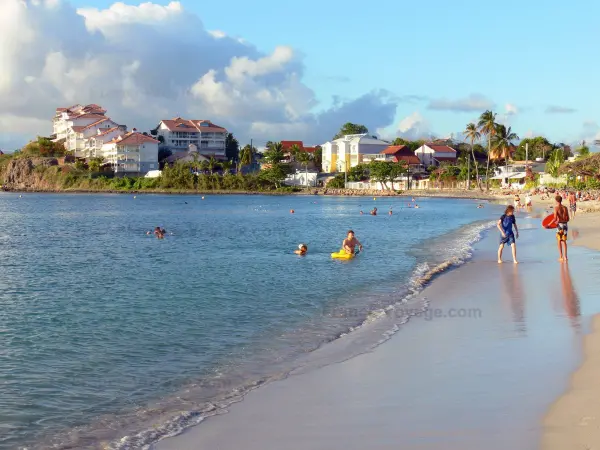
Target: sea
111,338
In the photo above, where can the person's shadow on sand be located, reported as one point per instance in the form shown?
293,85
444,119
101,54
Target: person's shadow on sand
514,295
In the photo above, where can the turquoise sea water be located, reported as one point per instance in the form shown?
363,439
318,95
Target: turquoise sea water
106,332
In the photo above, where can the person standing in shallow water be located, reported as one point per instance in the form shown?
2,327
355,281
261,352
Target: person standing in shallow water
505,224
561,218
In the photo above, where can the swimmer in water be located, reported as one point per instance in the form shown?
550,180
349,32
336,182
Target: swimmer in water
350,243
302,249
390,213
416,206
479,206
374,212
158,233
361,213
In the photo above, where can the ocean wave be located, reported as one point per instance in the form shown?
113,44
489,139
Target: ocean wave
444,254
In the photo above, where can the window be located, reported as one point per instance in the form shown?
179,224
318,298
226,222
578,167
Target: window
151,166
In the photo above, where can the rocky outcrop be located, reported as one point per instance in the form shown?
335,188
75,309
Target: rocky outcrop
21,174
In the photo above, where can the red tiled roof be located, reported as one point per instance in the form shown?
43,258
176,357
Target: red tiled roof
192,126
393,149
444,158
88,116
133,138
109,130
96,123
310,149
77,129
286,145
441,148
409,159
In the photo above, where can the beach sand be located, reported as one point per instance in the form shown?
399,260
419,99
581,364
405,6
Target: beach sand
479,370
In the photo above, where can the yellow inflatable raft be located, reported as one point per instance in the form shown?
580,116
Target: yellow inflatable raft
342,255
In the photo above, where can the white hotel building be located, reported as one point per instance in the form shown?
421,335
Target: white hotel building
179,134
132,152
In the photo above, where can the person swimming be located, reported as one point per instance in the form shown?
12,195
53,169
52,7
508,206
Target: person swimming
361,213
302,249
416,206
350,243
390,213
373,212
159,233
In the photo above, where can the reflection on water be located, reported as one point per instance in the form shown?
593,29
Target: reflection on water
570,298
514,295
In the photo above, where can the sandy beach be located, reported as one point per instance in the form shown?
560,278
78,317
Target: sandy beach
480,369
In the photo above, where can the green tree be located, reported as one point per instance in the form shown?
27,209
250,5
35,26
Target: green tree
380,171
304,158
274,174
537,147
94,164
226,166
164,153
412,145
247,156
557,158
503,142
232,147
487,126
360,172
274,154
583,151
472,133
294,151
351,128
212,164
318,158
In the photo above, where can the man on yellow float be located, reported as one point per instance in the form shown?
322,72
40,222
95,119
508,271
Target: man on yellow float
350,243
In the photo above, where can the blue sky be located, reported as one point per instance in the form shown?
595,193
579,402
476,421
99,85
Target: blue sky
533,55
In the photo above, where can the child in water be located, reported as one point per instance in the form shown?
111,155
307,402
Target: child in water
302,249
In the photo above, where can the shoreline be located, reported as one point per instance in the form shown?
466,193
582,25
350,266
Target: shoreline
449,193
356,395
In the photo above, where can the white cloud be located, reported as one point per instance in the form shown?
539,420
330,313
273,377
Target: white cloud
474,102
411,127
510,109
147,62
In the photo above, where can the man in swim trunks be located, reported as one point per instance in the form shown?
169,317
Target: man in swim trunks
505,225
561,218
350,243
572,203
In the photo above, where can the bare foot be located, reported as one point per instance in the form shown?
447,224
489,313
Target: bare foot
499,261
516,262
560,259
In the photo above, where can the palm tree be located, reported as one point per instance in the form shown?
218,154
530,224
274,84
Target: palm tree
503,143
487,126
473,134
204,165
246,157
212,163
274,153
304,158
295,150
226,166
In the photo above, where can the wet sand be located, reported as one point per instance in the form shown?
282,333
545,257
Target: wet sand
479,370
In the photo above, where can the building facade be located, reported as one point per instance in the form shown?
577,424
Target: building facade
178,134
348,151
433,155
75,125
132,152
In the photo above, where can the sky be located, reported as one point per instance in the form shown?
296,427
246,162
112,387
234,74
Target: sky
272,70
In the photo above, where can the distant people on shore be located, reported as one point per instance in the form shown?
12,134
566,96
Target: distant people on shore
572,203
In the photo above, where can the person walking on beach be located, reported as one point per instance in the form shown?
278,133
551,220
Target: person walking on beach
505,225
573,203
561,218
